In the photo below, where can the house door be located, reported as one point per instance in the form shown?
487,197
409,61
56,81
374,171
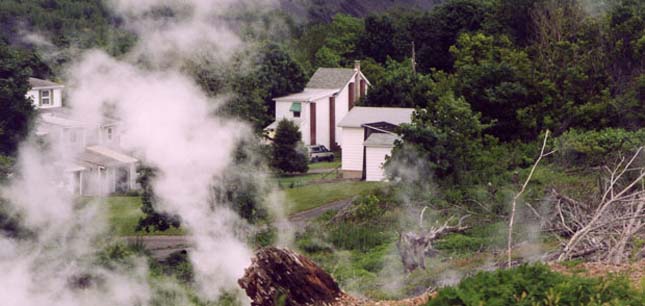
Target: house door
312,123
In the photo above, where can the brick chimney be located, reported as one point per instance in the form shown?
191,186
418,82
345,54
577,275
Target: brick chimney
360,87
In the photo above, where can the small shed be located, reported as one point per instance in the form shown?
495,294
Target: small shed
377,147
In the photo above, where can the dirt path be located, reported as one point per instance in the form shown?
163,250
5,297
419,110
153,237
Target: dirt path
300,219
161,247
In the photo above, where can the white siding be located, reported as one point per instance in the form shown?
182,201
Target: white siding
283,110
375,157
322,122
34,94
352,140
341,109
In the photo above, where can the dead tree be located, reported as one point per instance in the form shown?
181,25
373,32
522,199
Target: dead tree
604,228
415,246
511,221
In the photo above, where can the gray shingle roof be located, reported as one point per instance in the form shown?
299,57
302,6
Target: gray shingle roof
382,140
360,115
330,78
39,83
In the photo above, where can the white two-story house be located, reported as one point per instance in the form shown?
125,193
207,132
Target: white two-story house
317,110
92,162
45,94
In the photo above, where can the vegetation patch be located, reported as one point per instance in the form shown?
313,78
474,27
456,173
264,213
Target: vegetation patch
312,196
537,285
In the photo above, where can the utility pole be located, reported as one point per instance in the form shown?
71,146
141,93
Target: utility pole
414,60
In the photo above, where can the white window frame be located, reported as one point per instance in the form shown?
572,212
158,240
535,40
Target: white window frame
49,98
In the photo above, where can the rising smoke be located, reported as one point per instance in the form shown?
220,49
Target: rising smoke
167,120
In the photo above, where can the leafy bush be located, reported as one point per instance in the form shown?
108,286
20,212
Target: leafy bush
537,285
351,236
593,148
459,243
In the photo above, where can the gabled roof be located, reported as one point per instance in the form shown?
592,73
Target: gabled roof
53,119
382,126
307,95
112,154
381,140
361,115
331,78
40,83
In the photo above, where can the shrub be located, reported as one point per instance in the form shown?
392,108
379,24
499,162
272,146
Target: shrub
537,285
594,148
358,237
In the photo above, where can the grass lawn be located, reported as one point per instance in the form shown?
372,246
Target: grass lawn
299,180
124,214
325,165
312,196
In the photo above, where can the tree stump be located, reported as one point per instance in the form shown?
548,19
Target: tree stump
283,277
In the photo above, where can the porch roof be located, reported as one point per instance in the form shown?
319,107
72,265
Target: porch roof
308,95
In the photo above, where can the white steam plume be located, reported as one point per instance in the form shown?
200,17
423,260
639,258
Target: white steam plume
169,122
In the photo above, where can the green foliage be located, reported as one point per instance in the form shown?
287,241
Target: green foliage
446,134
176,265
537,285
66,23
17,110
152,219
595,148
360,237
288,155
496,79
437,31
399,86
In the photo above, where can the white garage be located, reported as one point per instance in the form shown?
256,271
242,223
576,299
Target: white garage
368,135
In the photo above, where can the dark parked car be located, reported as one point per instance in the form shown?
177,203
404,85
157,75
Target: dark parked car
319,153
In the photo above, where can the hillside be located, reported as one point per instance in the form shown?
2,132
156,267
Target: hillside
322,10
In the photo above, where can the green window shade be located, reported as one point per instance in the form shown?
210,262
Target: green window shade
296,107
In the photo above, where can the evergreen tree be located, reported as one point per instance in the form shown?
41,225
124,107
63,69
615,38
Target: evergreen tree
16,110
287,157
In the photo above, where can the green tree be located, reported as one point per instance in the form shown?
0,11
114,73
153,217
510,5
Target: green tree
436,31
287,156
152,220
446,134
326,57
278,74
399,86
387,36
17,110
497,80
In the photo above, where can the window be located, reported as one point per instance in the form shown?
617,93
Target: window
295,108
46,97
109,133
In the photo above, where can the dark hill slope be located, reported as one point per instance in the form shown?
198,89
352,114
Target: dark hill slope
323,10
